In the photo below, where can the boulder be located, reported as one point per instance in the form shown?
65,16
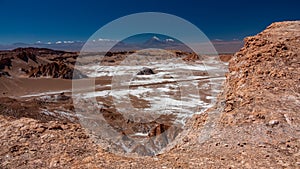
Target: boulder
146,71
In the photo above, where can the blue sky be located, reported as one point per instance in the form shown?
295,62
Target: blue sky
32,20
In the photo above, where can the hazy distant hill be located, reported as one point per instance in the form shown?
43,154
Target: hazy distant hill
153,42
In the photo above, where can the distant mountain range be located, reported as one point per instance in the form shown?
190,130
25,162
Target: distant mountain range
153,42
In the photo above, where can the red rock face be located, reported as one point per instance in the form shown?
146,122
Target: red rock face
264,75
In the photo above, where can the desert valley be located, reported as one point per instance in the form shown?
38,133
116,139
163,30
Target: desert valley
171,109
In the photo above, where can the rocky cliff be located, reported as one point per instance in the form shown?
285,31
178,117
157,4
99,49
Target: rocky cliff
263,83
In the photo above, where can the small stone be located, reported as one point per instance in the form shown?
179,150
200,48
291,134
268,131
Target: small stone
261,145
155,159
40,130
185,139
273,123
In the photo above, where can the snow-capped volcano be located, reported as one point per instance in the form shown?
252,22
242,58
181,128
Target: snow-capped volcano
154,42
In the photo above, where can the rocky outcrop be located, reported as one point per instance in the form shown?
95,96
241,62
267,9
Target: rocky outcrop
146,71
5,62
21,61
47,108
191,57
25,56
142,138
263,82
5,74
158,130
225,57
55,70
45,141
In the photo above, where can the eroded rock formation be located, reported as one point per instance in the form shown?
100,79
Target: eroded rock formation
263,82
55,70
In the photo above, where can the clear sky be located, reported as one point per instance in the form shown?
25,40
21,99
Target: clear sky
36,20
